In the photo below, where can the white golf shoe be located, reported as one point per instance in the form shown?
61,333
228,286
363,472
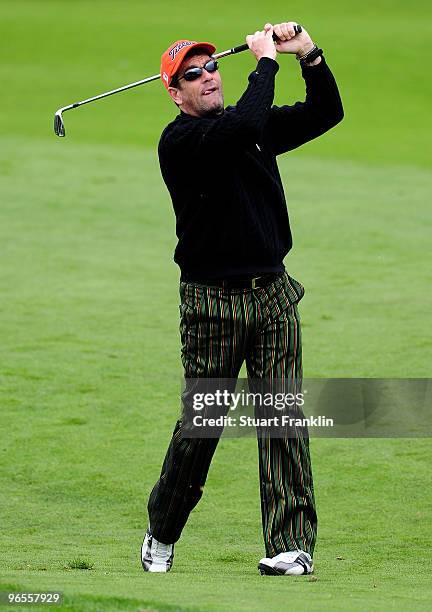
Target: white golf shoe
156,556
293,563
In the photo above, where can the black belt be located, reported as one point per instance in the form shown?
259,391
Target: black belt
235,282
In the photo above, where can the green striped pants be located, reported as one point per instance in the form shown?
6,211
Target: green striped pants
220,330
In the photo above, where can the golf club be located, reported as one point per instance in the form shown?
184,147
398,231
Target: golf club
59,127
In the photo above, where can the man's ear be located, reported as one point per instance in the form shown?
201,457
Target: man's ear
175,95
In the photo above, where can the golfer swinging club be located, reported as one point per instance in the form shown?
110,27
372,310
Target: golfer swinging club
237,301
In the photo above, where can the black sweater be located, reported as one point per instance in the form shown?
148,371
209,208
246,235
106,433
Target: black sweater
221,172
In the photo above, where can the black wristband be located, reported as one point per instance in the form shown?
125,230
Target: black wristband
311,56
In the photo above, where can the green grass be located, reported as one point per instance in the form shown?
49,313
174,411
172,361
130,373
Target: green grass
80,564
90,355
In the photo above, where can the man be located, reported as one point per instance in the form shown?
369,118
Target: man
237,302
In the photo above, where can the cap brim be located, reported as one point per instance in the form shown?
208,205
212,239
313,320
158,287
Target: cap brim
209,47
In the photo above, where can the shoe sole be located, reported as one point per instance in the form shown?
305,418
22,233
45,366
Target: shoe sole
265,570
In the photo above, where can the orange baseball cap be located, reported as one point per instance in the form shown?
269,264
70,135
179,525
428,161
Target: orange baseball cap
174,55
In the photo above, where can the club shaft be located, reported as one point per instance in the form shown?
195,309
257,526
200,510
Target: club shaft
113,91
231,51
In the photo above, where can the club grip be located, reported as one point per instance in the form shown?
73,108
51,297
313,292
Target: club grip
240,48
297,29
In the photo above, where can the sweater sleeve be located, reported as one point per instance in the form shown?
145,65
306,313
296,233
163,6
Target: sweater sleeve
244,122
289,127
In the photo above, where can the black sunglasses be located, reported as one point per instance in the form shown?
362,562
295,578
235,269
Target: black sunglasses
194,73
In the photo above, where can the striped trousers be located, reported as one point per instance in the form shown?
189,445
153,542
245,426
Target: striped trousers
220,330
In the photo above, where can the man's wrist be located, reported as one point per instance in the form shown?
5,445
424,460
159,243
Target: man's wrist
308,46
315,62
268,55
310,57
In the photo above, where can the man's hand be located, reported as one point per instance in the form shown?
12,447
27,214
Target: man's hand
261,43
289,41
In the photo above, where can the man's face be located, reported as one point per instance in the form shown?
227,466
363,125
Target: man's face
200,97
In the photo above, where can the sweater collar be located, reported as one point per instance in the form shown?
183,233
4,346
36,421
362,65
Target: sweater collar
183,115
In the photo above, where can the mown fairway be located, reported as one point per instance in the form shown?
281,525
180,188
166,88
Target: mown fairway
90,362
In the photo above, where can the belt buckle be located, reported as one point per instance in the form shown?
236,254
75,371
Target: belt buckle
253,281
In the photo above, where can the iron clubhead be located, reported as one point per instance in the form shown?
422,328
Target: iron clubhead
59,127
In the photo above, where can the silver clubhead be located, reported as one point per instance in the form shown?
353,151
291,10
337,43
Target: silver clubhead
59,127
